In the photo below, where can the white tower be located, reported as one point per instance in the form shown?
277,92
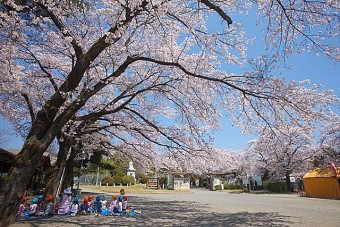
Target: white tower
131,171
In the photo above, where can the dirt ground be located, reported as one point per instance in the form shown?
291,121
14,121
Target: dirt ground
201,207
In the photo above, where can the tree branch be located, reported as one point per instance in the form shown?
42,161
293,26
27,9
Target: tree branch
176,64
218,10
29,105
78,50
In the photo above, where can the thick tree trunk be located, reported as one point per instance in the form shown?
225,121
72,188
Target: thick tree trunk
288,183
53,181
42,133
68,179
13,188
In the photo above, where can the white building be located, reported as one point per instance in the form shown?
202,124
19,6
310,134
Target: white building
131,171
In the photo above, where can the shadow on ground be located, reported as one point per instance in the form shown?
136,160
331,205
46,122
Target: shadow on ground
166,213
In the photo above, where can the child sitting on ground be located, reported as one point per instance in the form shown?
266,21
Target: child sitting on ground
124,203
113,204
90,202
97,205
40,205
104,202
49,211
120,203
64,207
74,206
84,207
22,207
33,207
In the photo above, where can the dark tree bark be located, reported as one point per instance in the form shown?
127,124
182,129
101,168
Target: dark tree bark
54,179
288,183
68,177
14,186
44,129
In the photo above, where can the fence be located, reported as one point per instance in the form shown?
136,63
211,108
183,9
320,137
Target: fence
90,178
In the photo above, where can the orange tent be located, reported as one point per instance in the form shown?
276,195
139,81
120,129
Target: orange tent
322,183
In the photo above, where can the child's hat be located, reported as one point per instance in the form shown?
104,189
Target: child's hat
114,196
98,198
125,197
34,200
49,198
40,197
86,200
90,196
68,191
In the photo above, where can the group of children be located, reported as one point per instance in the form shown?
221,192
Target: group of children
100,205
66,206
37,207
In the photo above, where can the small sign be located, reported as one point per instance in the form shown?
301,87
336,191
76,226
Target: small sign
245,180
216,181
153,182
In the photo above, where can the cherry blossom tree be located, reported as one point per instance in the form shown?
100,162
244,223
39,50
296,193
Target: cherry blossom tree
3,137
283,151
330,143
290,19
59,59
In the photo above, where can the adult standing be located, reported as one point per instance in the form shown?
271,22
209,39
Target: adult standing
65,203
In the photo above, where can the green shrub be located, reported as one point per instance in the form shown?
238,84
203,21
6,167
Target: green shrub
107,180
239,187
266,185
277,187
217,187
232,186
205,183
120,173
163,180
143,179
128,179
117,179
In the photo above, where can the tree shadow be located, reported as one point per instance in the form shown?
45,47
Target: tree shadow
166,213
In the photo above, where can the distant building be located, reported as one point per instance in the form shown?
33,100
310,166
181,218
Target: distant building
37,181
131,171
179,180
219,178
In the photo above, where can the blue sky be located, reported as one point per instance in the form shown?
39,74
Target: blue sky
318,69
